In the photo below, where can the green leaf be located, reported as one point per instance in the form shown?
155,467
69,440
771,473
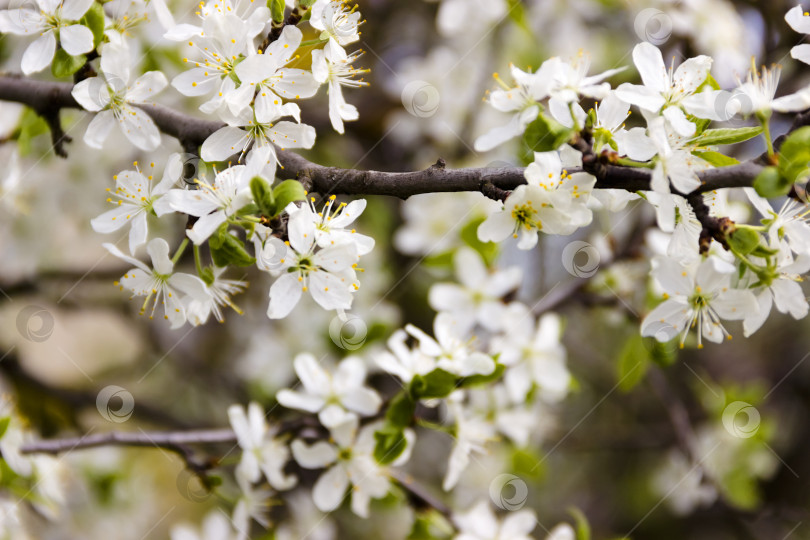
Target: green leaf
226,249
794,156
713,137
440,260
469,234
744,240
248,210
528,463
436,384
4,422
286,192
709,82
543,135
400,411
477,380
701,124
277,10
94,20
390,444
518,14
263,195
716,158
207,275
422,528
663,354
306,3
65,65
634,360
583,528
764,251
771,184
31,126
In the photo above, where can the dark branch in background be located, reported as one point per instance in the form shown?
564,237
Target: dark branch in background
179,442
158,439
45,97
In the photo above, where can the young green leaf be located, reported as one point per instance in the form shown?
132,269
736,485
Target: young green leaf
65,65
744,240
469,234
794,156
286,192
713,137
543,135
227,249
263,195
771,184
390,443
277,10
436,384
634,360
716,158
583,528
400,412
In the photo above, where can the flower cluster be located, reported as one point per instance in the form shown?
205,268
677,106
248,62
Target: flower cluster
760,266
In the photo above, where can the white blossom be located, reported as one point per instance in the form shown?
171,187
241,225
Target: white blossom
331,224
670,93
135,198
328,274
47,20
113,100
351,462
338,25
262,451
698,296
160,284
478,296
451,347
323,391
338,73
533,354
480,523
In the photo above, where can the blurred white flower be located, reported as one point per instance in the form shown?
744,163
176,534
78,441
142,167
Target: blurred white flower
323,391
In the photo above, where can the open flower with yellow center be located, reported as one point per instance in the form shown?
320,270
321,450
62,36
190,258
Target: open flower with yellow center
338,23
215,203
554,202
338,73
349,462
134,198
160,284
328,274
333,221
696,296
267,76
49,20
114,100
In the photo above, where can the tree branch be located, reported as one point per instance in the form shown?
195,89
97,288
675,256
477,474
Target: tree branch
160,439
191,131
178,441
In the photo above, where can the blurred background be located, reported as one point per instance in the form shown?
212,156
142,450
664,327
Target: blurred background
639,446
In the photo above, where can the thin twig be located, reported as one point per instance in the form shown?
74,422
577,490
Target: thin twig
159,439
